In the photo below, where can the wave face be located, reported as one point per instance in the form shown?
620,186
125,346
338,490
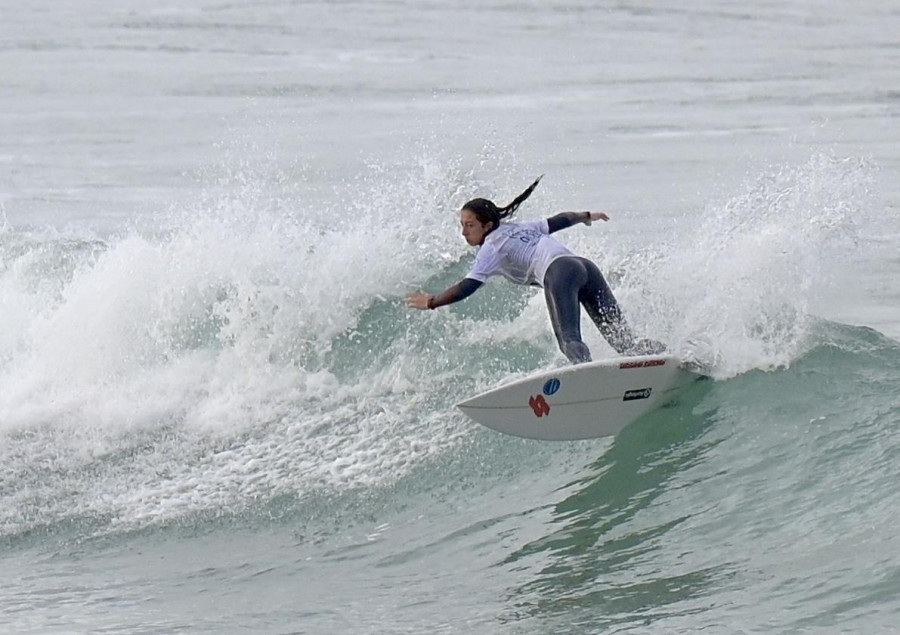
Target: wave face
242,352
251,349
244,386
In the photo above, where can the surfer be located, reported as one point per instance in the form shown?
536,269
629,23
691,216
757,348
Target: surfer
525,253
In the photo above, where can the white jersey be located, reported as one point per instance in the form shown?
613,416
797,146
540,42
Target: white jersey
520,252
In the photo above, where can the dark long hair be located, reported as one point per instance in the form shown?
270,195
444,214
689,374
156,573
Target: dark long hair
487,211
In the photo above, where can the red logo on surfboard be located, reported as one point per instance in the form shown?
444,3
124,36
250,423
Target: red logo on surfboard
643,364
539,405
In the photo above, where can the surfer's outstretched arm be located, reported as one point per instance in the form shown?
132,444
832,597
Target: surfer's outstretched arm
567,219
459,291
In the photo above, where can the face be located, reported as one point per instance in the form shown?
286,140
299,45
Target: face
473,230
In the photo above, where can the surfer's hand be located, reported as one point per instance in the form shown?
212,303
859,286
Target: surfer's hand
418,301
592,216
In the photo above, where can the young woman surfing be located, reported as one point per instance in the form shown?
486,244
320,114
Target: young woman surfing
525,253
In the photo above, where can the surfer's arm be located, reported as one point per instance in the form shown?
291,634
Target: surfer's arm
459,291
567,219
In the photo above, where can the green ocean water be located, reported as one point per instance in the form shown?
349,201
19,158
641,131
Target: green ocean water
762,502
217,416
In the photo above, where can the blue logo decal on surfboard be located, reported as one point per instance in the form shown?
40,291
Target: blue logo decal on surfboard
551,386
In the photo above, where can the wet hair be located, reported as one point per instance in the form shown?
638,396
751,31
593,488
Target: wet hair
487,211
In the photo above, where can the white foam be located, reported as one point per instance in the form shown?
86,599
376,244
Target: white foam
736,287
256,347
189,369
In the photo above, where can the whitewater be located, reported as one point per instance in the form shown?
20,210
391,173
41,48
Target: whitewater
217,414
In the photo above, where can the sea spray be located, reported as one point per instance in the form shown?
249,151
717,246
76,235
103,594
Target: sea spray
735,288
166,373
255,347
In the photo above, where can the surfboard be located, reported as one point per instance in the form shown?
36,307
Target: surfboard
585,401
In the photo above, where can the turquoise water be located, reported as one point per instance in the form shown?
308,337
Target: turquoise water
217,416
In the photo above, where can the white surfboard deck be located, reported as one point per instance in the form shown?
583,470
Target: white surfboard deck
585,401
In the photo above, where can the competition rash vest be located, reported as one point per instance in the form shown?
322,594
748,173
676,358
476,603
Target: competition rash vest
520,252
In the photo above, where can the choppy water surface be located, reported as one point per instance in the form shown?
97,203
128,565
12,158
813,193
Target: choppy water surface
217,416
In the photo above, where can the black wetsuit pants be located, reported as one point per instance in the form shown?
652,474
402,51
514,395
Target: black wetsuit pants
571,281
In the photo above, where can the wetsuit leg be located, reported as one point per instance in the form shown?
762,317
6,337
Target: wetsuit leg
563,282
601,306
